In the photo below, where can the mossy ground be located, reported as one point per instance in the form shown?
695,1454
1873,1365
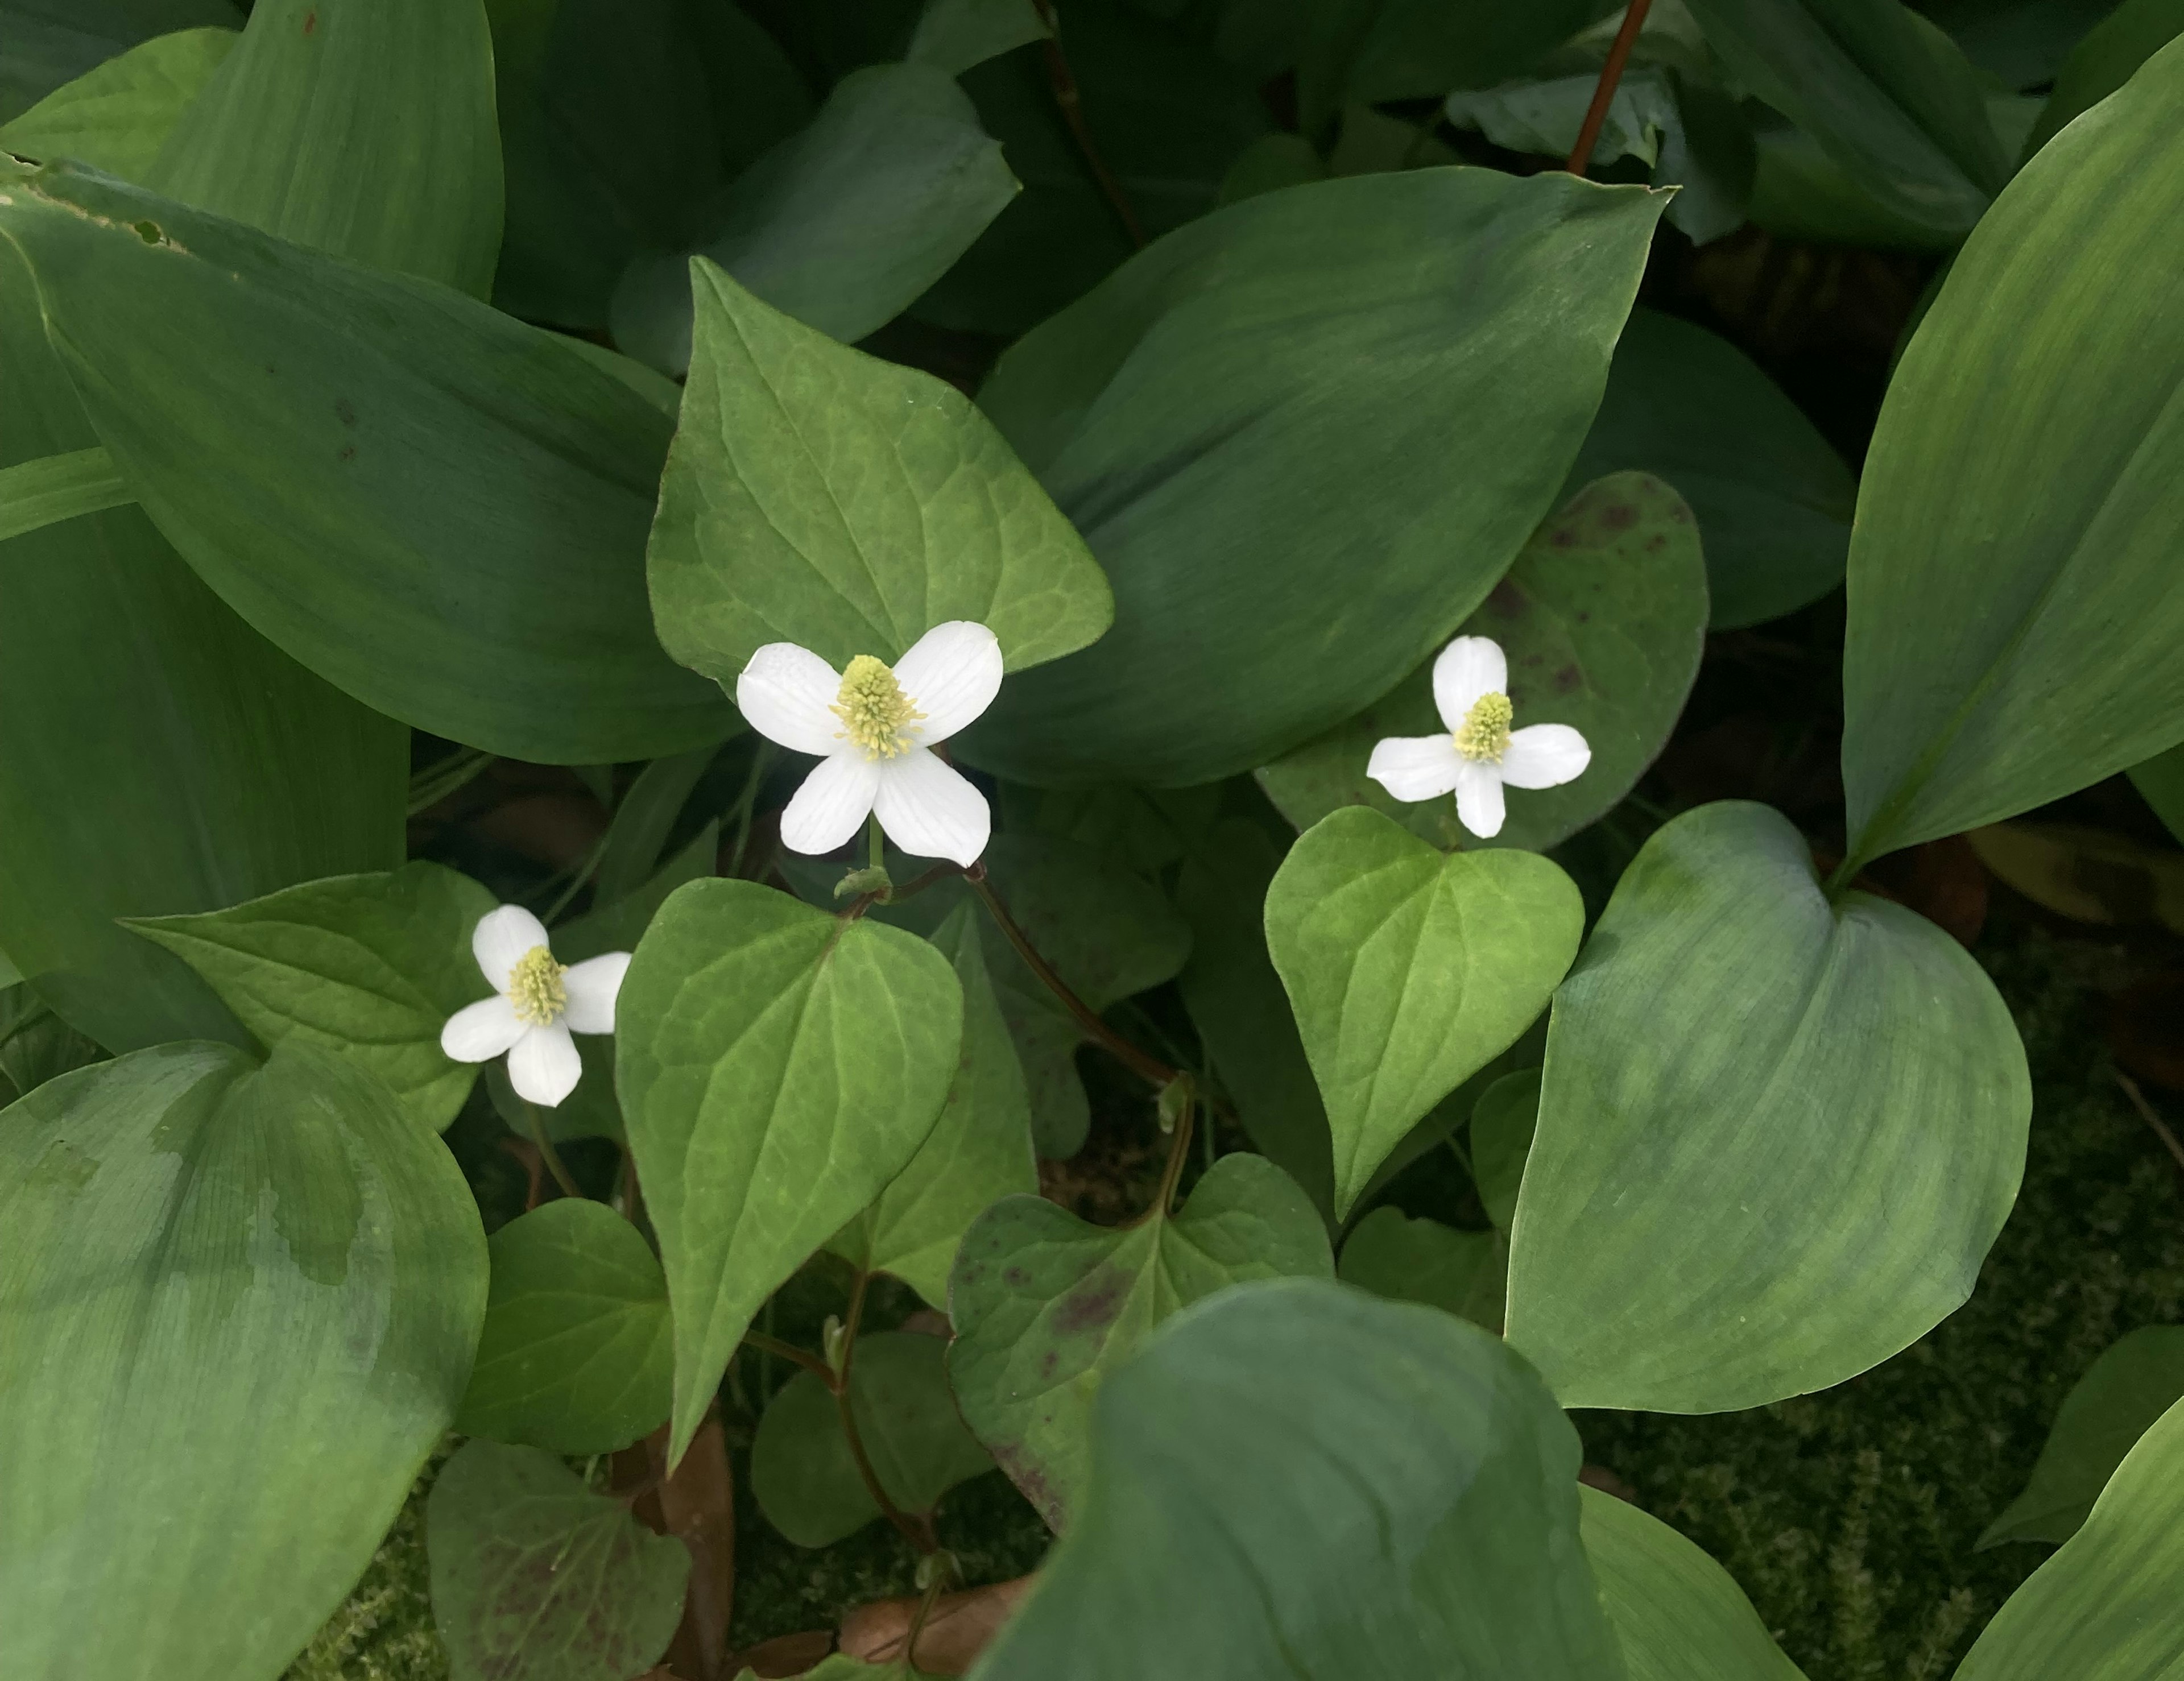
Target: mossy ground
1848,1516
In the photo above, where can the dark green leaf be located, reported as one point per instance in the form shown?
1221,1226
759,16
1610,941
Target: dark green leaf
1405,1259
437,508
802,1474
1294,1479
367,968
1800,193
535,1576
240,1304
2133,1383
618,926
52,488
2016,550
776,1068
1045,1306
1303,454
642,823
1603,619
118,117
2160,782
2109,56
953,34
1358,52
1776,1135
577,1355
1501,1128
46,43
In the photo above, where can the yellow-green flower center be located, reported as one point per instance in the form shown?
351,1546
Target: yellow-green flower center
1483,737
874,710
536,989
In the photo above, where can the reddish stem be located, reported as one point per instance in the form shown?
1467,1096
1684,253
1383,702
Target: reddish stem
1604,93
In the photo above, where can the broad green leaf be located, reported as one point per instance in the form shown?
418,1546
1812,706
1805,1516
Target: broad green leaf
1294,1479
1890,98
2104,60
577,1355
118,117
1800,193
534,1575
953,34
1409,970
1302,456
1776,1135
1678,1615
776,1068
241,1303
45,44
980,1149
363,466
199,765
1242,1015
2123,1393
362,128
2105,1607
816,495
802,1474
1501,1128
1045,1306
52,488
2016,543
1143,830
2160,782
1603,618
1774,500
368,968
841,225
1361,51
1405,1259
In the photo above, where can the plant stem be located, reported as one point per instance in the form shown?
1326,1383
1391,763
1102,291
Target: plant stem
875,843
746,801
1137,1061
433,784
577,882
1604,93
788,1351
1072,113
2146,1114
915,1530
1178,1152
552,1157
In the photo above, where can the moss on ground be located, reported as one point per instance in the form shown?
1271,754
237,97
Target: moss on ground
1849,1517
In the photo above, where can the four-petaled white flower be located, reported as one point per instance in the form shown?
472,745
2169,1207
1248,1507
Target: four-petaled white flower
874,729
536,1005
1478,752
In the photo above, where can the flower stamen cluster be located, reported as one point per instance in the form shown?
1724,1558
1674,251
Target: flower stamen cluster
1483,737
874,711
537,989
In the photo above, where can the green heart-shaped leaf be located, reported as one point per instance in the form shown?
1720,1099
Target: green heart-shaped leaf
1405,1259
776,1068
1777,1135
1045,1305
1409,970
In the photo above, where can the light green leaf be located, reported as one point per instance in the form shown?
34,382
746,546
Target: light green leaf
368,968
1405,1259
411,456
2105,1606
953,34
1302,456
1774,500
1294,1479
2104,60
52,488
1603,618
776,1068
1678,1615
1045,1306
2016,527
2134,1382
199,765
1501,1128
2160,782
980,1149
1890,98
363,128
841,225
818,495
802,1474
117,117
577,1355
533,1575
240,1304
1777,1135
1409,970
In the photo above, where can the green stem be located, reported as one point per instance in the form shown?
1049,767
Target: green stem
746,802
790,1352
875,843
551,1156
915,1530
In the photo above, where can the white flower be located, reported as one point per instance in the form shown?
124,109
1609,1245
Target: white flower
537,1005
874,729
1478,753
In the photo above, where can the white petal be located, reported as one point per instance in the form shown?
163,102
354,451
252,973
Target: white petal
951,675
479,1032
1544,756
543,1066
1478,800
786,693
1416,767
930,811
502,936
832,803
593,985
1467,667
